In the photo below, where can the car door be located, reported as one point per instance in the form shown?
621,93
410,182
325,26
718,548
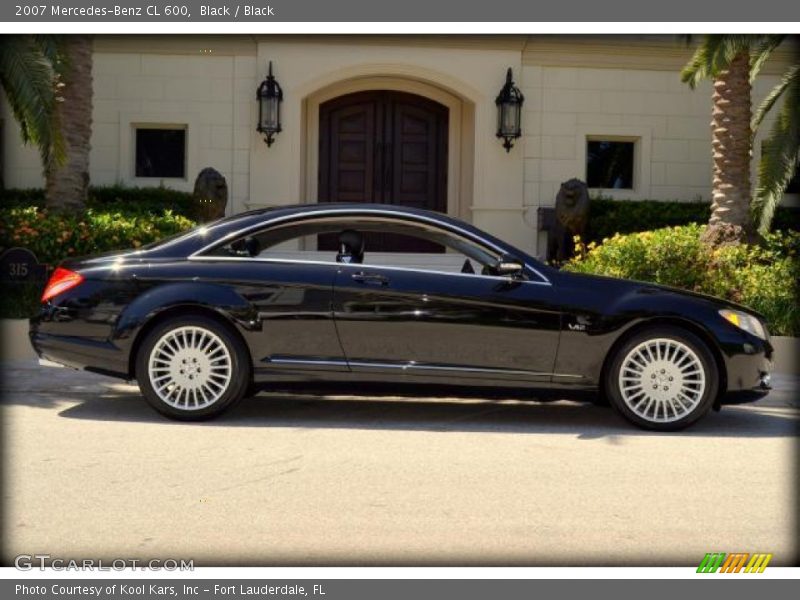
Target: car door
450,326
290,325
293,303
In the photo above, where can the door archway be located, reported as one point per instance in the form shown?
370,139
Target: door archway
384,146
461,155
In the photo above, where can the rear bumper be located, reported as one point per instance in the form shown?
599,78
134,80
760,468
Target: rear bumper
99,356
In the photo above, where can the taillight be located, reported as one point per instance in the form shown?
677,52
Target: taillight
61,281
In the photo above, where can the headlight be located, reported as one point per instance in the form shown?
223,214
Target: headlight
745,321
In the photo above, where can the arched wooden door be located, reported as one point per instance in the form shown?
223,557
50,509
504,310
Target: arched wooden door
386,147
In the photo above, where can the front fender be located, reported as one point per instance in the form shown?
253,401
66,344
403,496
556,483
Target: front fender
592,329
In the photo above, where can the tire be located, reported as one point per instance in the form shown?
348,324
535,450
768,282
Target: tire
192,368
662,378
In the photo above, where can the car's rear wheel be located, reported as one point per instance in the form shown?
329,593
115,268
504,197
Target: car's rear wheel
663,378
192,368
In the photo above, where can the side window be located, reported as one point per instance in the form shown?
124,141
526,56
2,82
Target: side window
352,242
282,243
444,253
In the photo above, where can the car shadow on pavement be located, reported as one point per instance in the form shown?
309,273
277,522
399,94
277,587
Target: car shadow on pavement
80,395
586,421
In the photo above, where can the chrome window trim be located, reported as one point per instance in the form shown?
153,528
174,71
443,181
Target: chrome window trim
386,213
292,261
412,365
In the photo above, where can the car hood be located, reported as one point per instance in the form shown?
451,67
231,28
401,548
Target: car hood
630,286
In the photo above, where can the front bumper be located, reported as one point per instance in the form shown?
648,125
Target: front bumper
748,371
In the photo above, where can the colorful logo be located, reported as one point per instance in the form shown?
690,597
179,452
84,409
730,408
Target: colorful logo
734,563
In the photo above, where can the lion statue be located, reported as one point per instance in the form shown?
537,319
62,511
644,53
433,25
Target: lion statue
210,195
571,219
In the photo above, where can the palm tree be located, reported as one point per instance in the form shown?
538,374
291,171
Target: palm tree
732,62
28,75
68,182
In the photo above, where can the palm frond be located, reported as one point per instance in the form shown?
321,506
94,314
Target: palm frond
699,66
51,46
774,95
28,80
761,51
714,54
780,157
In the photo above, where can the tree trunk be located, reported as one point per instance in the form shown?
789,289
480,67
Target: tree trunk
730,139
68,184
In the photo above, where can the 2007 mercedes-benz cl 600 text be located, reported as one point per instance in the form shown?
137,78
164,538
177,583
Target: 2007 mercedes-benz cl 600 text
372,298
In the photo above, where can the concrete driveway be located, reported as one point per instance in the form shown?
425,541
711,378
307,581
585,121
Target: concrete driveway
90,471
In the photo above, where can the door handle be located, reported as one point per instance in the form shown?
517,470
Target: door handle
370,278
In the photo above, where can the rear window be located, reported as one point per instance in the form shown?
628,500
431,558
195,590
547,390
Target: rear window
175,237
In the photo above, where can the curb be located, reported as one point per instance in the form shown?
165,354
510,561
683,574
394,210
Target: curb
14,342
787,354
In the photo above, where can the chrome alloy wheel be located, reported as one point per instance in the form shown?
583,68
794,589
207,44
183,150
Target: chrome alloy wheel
190,368
662,380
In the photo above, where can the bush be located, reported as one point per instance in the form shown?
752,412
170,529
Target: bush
144,199
20,300
116,197
763,277
608,217
54,237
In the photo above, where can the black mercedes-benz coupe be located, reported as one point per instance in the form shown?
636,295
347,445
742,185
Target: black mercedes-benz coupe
382,299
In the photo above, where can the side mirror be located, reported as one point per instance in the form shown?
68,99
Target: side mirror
509,266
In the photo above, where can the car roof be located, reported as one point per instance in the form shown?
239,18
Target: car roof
218,230
222,229
263,215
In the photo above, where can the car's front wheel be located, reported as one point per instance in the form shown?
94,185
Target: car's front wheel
663,378
192,368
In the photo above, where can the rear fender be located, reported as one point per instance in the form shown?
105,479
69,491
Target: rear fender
218,298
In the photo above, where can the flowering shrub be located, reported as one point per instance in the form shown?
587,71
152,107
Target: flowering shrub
762,276
54,237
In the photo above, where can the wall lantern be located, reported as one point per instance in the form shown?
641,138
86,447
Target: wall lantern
269,96
509,112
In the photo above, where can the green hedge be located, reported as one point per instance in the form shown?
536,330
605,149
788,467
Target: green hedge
20,300
115,197
763,277
608,217
53,237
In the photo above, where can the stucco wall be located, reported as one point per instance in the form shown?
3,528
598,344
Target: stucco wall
21,165
492,196
668,121
206,93
574,88
564,105
210,95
